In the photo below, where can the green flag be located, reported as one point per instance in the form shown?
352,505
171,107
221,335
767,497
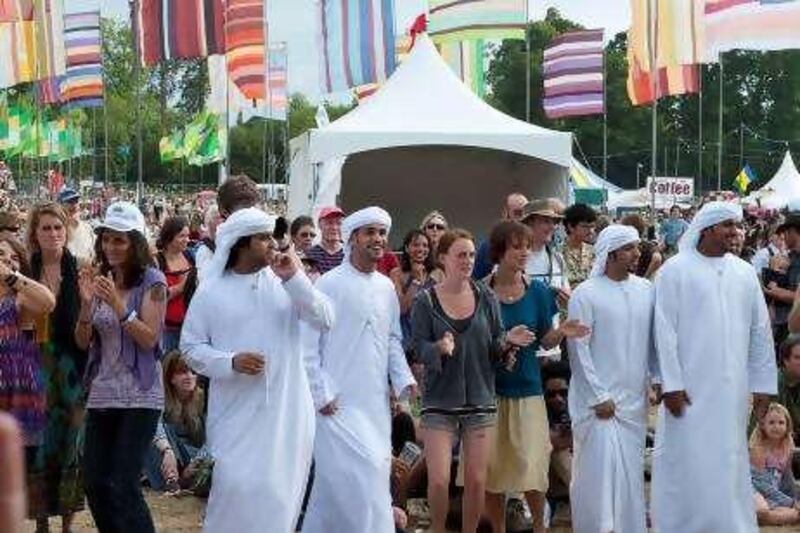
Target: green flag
204,140
171,147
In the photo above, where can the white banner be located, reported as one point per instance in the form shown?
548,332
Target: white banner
671,191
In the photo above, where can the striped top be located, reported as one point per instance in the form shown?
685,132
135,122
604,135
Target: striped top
325,261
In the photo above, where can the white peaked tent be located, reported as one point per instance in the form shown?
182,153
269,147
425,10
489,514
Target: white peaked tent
424,141
783,188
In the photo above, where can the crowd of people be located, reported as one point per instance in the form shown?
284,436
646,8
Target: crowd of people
305,377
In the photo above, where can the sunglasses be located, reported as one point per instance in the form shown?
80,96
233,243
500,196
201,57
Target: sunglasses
440,227
563,393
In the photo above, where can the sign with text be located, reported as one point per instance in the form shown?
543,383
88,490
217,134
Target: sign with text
671,191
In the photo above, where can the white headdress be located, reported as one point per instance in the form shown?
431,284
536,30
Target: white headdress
711,214
359,219
610,239
242,223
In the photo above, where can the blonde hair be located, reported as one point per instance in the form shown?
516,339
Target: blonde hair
430,216
758,440
35,217
190,414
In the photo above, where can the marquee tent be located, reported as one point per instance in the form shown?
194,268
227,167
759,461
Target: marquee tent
782,189
424,141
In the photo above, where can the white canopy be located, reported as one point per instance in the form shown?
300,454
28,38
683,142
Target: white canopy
783,188
424,141
424,103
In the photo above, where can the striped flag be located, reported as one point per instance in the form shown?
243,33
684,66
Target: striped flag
459,20
750,25
573,75
51,63
677,25
245,35
357,42
182,29
83,83
16,10
19,56
278,103
467,59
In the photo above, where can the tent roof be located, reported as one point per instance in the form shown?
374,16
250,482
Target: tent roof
782,188
583,178
424,103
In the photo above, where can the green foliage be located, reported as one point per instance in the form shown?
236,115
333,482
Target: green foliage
762,90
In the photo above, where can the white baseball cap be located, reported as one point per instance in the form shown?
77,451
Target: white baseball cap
124,217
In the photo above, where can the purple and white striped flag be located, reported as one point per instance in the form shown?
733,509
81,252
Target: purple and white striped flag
573,75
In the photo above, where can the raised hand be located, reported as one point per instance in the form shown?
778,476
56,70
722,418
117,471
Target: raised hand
286,264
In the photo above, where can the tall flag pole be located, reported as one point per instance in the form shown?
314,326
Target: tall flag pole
527,64
573,75
721,105
605,117
654,73
138,47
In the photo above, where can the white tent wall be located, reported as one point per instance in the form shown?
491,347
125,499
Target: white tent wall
301,178
467,184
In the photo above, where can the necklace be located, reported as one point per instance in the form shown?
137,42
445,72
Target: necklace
51,276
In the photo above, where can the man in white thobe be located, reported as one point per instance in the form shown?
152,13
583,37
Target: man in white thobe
242,331
351,367
608,393
714,347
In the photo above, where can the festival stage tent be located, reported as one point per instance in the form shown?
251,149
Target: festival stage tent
783,188
424,141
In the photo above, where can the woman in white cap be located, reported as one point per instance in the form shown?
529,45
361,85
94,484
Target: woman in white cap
120,321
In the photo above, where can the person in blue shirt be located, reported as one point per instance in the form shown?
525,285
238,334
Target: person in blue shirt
520,458
672,229
512,210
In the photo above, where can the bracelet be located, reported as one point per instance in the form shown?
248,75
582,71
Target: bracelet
130,317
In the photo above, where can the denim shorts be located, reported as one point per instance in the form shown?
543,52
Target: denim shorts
458,423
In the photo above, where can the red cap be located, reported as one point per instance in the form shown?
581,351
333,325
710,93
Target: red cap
330,212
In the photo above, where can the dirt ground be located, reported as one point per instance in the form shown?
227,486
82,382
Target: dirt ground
182,514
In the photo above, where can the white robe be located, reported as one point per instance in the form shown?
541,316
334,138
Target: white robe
260,429
354,363
613,363
714,340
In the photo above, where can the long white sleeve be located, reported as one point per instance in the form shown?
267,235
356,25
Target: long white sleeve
323,390
400,375
580,349
665,324
762,372
196,342
311,304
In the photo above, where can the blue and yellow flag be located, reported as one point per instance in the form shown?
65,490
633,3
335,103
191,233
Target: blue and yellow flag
744,179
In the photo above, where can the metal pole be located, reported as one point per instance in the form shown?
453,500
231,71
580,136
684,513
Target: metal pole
527,65
741,144
677,156
605,120
137,80
654,126
721,102
700,71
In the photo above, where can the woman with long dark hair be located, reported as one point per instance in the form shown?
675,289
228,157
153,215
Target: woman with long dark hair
55,475
177,264
121,315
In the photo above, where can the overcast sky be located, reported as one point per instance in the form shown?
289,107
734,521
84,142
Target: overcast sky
294,21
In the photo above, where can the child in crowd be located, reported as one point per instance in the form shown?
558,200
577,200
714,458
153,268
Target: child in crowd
771,447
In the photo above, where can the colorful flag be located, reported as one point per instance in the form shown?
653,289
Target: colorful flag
750,25
245,35
83,84
467,59
744,179
204,140
357,42
182,29
171,147
16,10
679,45
278,101
573,75
459,20
19,53
51,62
